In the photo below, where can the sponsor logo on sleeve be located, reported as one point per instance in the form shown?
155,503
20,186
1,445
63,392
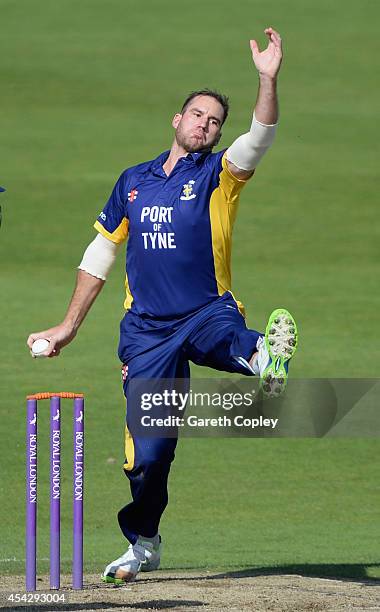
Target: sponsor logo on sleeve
132,195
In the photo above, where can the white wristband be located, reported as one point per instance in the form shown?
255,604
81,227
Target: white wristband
99,257
247,150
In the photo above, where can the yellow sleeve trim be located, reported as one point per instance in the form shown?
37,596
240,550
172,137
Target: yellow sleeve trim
223,210
229,184
129,296
119,235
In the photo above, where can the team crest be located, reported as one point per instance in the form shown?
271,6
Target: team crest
187,192
132,195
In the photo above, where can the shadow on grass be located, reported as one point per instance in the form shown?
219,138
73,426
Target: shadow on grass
348,572
352,572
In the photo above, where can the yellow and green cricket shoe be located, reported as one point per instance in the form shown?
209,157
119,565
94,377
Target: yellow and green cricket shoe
112,580
143,556
275,350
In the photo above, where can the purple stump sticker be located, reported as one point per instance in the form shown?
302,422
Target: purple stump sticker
55,491
31,494
78,477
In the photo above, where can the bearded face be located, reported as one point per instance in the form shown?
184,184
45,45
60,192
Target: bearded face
198,128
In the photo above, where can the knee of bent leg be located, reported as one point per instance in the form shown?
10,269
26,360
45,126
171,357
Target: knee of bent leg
155,464
158,455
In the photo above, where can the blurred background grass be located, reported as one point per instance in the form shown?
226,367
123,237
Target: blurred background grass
88,89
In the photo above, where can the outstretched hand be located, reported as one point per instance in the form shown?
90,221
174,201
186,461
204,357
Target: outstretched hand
268,62
58,337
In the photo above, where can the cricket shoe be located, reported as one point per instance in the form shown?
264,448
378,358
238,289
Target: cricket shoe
153,562
144,555
275,350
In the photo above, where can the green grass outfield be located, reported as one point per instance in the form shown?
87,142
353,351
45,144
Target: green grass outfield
89,88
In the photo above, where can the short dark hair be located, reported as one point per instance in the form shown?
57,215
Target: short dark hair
221,98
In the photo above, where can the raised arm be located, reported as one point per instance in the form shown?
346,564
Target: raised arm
245,153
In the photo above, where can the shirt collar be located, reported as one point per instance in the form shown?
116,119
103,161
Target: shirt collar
157,164
198,157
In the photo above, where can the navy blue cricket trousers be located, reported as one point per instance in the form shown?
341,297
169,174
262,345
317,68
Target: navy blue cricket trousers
161,349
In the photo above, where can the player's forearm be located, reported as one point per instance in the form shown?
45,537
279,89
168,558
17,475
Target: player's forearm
87,289
266,109
245,153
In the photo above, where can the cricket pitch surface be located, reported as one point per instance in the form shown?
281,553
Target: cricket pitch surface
208,591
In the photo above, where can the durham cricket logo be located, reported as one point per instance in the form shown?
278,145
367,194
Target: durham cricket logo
188,191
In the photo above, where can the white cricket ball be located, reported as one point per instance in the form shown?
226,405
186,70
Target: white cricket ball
39,346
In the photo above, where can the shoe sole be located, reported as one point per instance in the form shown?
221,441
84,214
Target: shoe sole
128,577
281,340
110,580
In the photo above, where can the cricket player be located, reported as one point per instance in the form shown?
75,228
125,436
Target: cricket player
177,214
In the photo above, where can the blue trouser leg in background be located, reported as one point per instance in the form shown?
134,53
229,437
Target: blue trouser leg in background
148,480
148,459
156,349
